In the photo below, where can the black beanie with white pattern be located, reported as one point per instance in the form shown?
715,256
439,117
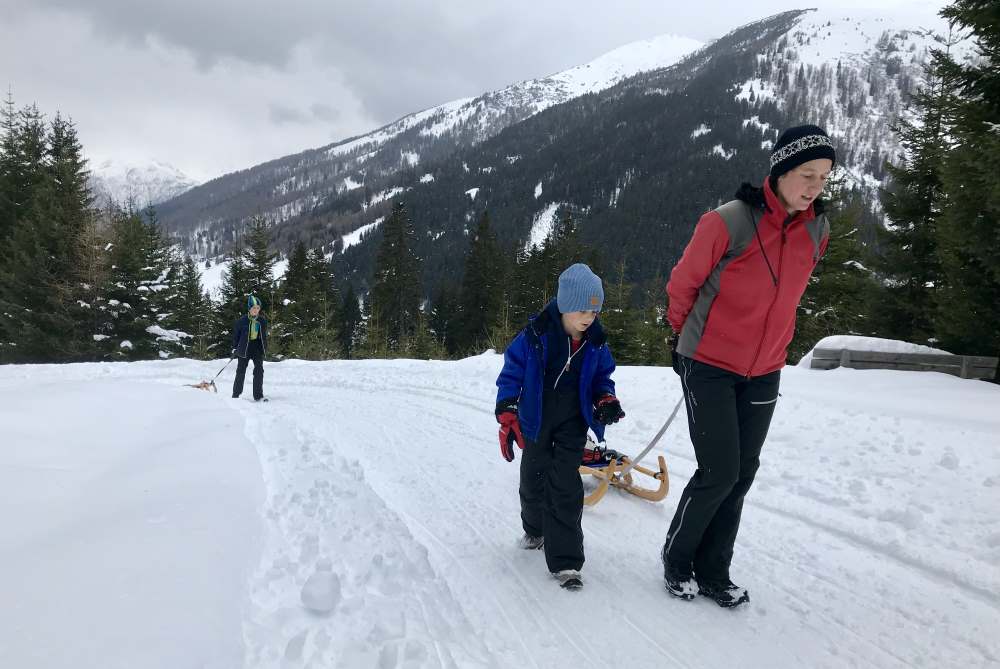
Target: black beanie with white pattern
800,145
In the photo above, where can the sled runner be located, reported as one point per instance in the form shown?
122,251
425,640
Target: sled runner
204,385
210,385
611,468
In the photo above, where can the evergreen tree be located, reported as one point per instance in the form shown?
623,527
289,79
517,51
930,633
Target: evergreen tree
395,295
373,340
320,339
89,312
294,309
443,320
652,329
483,286
71,211
969,227
260,263
9,168
195,316
909,266
142,266
621,322
423,345
350,322
45,209
35,321
232,302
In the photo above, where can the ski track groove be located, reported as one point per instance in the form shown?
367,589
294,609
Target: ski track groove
930,572
764,551
663,651
454,558
525,608
288,530
830,621
503,558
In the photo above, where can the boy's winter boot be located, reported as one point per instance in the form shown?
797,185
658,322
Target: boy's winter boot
679,583
530,543
724,593
569,579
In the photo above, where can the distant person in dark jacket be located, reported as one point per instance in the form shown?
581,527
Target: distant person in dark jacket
250,343
733,297
554,385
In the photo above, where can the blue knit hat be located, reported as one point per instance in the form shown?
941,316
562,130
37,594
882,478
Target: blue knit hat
252,302
579,290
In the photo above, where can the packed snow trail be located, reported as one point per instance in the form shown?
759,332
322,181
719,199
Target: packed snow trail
868,540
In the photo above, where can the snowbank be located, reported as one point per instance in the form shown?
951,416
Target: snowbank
858,343
130,514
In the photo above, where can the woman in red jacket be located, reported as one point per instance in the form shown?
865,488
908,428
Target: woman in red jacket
732,302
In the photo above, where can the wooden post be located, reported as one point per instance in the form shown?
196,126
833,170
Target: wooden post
845,357
964,373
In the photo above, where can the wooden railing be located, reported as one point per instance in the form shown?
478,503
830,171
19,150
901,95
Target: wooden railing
965,366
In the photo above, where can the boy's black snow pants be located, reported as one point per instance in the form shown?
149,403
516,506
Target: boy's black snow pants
551,490
728,417
255,352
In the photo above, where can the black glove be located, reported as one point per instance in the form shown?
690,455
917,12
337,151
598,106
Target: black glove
506,406
675,362
608,410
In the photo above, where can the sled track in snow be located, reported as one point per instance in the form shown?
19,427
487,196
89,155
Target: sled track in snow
929,571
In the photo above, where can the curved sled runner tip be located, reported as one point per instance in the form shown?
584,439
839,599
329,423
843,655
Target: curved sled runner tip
610,474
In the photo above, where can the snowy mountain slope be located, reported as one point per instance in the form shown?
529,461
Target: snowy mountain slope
869,539
143,184
292,186
851,72
644,159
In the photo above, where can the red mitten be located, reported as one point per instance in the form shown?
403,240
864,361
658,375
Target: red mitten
510,434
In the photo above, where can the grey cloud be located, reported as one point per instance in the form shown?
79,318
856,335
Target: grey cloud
400,56
280,114
324,112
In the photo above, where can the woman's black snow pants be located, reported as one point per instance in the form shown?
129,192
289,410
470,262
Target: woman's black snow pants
728,418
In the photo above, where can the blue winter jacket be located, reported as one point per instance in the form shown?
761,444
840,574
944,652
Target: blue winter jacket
241,334
523,372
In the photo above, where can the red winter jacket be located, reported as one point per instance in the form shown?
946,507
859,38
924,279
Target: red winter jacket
734,292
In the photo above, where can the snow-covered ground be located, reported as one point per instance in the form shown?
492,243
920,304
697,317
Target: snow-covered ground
364,518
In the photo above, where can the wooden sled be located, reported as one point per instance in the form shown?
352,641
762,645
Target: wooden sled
610,474
204,385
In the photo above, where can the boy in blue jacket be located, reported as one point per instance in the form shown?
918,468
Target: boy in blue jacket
250,343
554,385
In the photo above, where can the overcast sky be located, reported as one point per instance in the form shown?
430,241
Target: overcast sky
212,86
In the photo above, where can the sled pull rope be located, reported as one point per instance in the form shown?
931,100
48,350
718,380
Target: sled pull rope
633,462
222,370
